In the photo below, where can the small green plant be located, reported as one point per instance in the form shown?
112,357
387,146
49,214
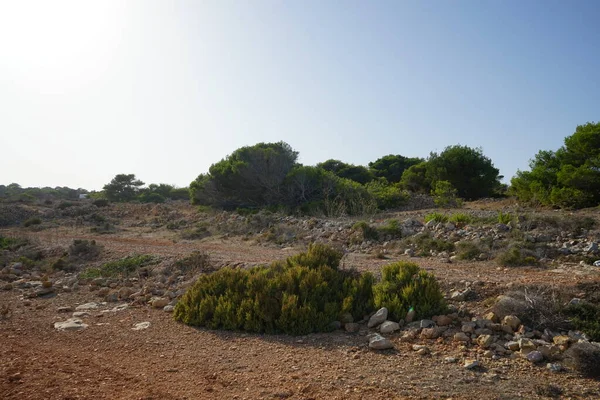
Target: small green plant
32,221
120,268
460,219
391,228
198,261
367,231
404,285
426,244
504,218
12,243
437,218
84,250
468,251
64,204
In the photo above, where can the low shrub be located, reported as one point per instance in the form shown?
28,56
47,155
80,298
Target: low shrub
32,221
445,195
303,294
515,257
101,203
536,307
367,231
427,244
197,261
586,318
12,243
121,268
391,228
468,251
103,228
585,358
84,250
199,232
460,219
436,217
404,285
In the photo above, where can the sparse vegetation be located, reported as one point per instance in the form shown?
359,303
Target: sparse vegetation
460,219
32,221
120,268
437,217
467,250
516,257
586,318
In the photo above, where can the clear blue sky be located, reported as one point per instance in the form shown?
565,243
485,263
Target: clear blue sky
163,89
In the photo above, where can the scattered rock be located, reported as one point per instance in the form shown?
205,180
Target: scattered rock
378,342
170,308
159,302
87,306
535,357
472,364
485,341
72,324
352,327
379,317
511,321
461,337
140,326
65,309
554,367
389,327
410,315
443,320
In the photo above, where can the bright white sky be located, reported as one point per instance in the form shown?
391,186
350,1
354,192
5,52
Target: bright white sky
163,89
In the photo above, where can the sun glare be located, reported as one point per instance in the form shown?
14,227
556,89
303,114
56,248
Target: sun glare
50,44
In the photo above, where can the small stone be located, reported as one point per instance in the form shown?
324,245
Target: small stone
389,327
431,333
409,336
80,314
379,317
443,320
512,346
554,367
140,326
87,306
170,308
535,357
159,302
492,317
488,354
72,324
450,360
426,323
468,327
352,327
461,337
421,350
378,342
597,263
526,346
511,321
485,341
472,364
65,309
561,340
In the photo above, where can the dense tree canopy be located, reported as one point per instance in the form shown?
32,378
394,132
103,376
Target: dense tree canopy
356,173
467,169
391,167
123,187
569,177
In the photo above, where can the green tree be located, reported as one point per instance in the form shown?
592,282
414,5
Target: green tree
467,169
251,176
415,179
391,167
569,177
123,187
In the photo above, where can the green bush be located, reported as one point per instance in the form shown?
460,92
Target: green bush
120,268
515,257
426,244
445,195
303,294
391,228
586,318
32,221
101,203
403,285
460,219
437,217
468,251
84,250
367,231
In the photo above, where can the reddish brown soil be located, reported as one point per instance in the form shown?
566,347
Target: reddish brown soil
109,360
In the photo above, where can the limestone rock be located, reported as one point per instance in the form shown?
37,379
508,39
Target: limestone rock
72,324
389,327
379,317
511,321
378,342
140,326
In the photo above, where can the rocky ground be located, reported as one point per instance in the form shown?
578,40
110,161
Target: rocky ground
67,334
